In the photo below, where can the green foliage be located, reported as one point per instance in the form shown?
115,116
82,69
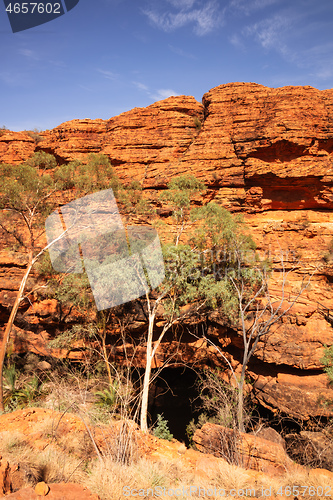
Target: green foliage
66,174
192,426
10,375
186,282
27,394
21,188
34,134
131,198
227,256
161,429
178,197
220,229
197,123
95,175
77,332
44,266
328,256
108,398
72,290
42,160
19,394
180,191
219,254
327,361
24,200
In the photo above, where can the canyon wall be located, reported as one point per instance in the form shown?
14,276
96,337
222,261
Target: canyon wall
266,153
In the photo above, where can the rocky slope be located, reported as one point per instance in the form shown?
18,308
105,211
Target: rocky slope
53,445
264,152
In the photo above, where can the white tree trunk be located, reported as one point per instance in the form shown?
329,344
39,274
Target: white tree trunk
4,343
146,381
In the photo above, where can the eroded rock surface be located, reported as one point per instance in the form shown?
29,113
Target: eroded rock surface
267,153
254,452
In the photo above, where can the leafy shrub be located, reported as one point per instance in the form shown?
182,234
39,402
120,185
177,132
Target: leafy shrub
42,160
34,134
66,174
108,397
197,123
328,256
327,361
19,393
161,429
93,175
193,426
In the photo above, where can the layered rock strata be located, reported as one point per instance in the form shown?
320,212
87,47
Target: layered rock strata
265,152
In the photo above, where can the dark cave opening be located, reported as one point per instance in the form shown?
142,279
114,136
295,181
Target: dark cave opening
174,394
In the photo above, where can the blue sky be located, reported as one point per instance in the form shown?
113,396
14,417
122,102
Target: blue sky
108,56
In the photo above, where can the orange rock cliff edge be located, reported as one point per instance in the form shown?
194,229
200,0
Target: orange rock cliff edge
264,152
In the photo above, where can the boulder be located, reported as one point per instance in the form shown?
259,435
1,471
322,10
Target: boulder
61,491
247,450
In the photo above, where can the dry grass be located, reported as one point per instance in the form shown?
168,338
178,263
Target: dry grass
70,455
232,477
63,460
49,465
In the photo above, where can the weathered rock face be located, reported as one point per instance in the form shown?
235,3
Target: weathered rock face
140,143
15,147
253,452
265,152
259,148
276,144
61,491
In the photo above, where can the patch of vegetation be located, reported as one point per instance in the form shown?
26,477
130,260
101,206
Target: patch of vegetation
35,135
328,256
327,361
197,123
94,175
42,161
108,397
130,196
161,429
20,390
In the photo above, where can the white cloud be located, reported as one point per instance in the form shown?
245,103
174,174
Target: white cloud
163,94
181,52
237,41
109,75
182,4
205,18
247,6
141,86
85,88
15,78
156,94
269,32
30,54
292,33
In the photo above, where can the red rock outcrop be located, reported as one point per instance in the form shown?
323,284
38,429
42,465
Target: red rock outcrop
262,151
254,452
61,491
139,143
15,147
259,148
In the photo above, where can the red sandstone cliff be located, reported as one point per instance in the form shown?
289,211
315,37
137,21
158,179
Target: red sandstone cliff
265,152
